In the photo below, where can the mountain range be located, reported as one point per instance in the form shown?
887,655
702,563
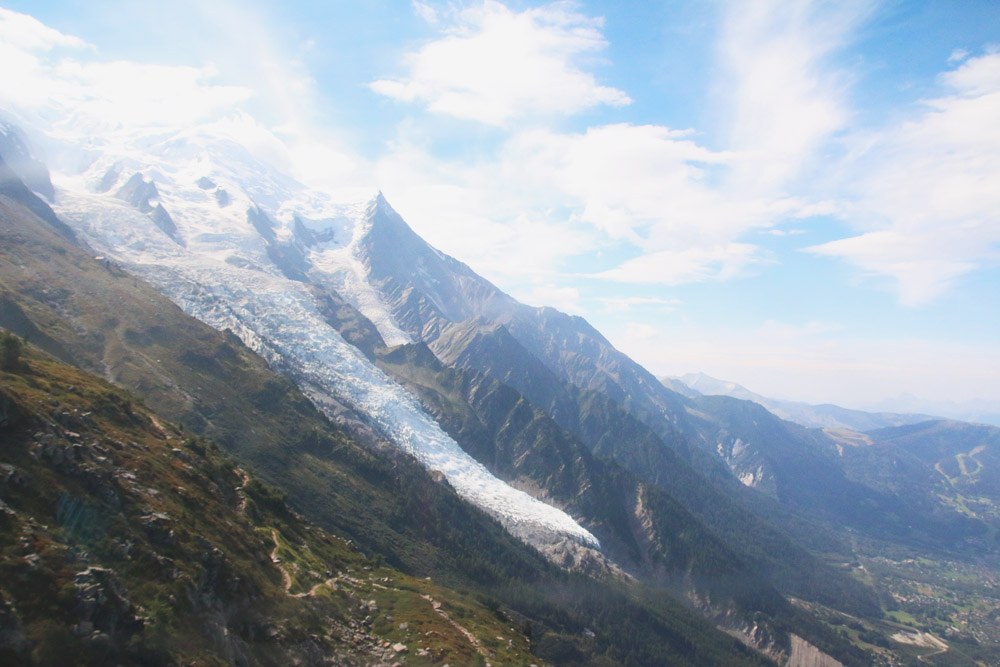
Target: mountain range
396,399
812,416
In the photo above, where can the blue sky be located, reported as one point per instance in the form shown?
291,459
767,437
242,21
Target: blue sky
800,196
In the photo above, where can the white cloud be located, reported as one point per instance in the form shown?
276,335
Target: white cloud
640,332
976,76
957,56
621,304
137,94
478,214
923,263
632,181
99,95
925,192
695,264
79,94
651,187
495,64
683,207
547,197
565,299
20,31
784,97
425,11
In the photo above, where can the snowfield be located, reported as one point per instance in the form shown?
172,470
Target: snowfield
222,272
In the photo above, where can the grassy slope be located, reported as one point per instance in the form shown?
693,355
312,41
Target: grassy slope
126,541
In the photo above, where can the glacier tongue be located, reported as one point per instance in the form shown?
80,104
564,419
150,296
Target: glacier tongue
278,318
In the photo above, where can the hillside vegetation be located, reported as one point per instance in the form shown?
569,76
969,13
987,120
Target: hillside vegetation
127,541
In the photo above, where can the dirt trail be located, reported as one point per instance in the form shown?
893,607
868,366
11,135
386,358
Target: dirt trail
472,639
923,658
286,579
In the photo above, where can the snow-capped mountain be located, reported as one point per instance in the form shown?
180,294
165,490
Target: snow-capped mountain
243,247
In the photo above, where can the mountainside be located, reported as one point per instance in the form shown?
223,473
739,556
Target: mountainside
563,366
806,469
126,541
232,271
524,446
954,463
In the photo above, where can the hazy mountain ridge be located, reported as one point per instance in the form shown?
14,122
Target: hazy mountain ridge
915,471
813,416
975,411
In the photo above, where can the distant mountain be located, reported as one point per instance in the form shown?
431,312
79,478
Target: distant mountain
813,416
902,482
978,411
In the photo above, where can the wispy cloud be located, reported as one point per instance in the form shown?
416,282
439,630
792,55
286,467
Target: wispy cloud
20,31
566,299
925,193
673,267
648,188
494,64
784,93
426,11
621,304
673,205
685,209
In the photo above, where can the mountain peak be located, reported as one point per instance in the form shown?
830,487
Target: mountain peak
383,216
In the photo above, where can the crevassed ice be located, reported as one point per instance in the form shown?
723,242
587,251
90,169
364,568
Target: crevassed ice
277,318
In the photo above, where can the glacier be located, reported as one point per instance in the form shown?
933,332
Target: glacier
221,273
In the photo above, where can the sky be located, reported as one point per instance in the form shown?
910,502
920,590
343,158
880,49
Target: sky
796,195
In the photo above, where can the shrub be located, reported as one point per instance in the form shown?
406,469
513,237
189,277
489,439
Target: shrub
10,351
